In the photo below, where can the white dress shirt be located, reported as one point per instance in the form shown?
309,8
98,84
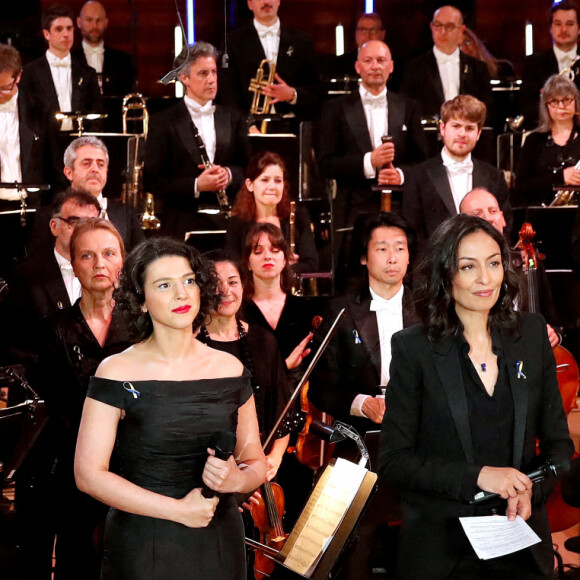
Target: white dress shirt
565,59
95,55
389,320
269,39
460,175
448,65
71,282
10,167
61,71
103,203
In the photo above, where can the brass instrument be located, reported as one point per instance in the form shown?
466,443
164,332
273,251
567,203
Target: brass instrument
222,195
135,110
261,103
566,196
296,285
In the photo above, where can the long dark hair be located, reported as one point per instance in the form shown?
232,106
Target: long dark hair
433,278
245,206
130,296
277,240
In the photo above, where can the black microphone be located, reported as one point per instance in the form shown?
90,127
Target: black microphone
546,469
223,443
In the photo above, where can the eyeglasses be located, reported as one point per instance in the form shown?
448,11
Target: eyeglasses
449,27
71,221
374,30
566,102
6,90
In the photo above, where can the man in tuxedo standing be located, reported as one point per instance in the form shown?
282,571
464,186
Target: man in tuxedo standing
445,72
174,167
433,190
61,80
352,149
350,378
114,67
295,89
540,66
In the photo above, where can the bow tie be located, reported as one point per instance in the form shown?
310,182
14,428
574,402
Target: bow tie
60,63
450,58
207,110
375,100
66,266
94,50
387,306
459,167
266,31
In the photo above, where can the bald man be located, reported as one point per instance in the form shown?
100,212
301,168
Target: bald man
445,72
351,150
114,67
481,203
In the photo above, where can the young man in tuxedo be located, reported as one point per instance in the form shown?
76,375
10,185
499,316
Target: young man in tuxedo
295,89
434,189
62,81
174,166
445,72
114,67
563,55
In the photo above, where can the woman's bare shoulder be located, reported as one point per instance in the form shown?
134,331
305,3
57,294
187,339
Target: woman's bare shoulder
119,366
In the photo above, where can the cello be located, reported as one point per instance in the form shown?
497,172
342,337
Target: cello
566,366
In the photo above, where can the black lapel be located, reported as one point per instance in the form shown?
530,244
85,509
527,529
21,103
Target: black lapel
433,76
357,122
515,355
465,72
448,366
54,284
480,174
223,133
368,330
440,181
78,83
184,127
409,316
396,118
27,137
45,80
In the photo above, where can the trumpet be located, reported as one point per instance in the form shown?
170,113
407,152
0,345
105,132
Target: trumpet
135,102
261,103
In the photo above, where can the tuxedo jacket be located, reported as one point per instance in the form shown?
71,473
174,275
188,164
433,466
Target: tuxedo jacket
428,200
421,81
86,97
118,76
345,140
538,68
40,147
426,446
173,161
122,216
351,363
294,65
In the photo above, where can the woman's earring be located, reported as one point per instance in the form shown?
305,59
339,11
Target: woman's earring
144,309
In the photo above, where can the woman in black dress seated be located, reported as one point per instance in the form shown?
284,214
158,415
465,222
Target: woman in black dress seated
264,199
256,348
160,404
73,342
550,153
472,390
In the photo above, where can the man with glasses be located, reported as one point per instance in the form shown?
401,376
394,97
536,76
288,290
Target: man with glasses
445,72
29,146
562,56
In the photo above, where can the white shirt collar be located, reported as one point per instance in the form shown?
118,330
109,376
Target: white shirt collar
195,108
365,93
100,48
441,56
53,60
262,29
396,300
448,160
10,106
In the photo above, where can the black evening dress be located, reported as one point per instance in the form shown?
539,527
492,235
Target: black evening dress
162,446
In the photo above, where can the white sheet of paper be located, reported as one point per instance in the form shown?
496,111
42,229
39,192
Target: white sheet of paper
494,536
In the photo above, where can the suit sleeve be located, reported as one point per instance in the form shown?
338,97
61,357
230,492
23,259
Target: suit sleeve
412,206
416,150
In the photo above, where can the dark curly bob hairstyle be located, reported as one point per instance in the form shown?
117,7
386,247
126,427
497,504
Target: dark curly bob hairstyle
130,295
433,278
245,206
277,240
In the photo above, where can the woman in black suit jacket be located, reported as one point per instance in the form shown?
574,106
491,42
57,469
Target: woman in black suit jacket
472,389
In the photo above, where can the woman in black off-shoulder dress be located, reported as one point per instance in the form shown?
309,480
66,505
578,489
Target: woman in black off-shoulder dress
159,404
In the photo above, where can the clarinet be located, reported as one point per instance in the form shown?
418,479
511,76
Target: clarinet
222,196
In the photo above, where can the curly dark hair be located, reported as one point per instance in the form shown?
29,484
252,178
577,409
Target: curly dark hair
433,278
130,295
245,206
277,240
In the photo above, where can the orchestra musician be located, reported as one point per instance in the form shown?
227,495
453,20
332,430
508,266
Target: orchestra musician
472,391
59,78
550,153
264,198
174,166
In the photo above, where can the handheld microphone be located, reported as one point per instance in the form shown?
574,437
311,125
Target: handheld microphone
223,443
546,469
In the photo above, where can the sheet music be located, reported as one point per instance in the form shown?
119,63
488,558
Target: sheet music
325,515
494,536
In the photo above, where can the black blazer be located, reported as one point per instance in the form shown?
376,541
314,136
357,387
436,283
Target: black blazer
294,65
421,81
118,76
426,447
351,363
86,97
427,197
172,161
538,67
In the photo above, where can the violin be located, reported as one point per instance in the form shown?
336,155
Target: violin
566,366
